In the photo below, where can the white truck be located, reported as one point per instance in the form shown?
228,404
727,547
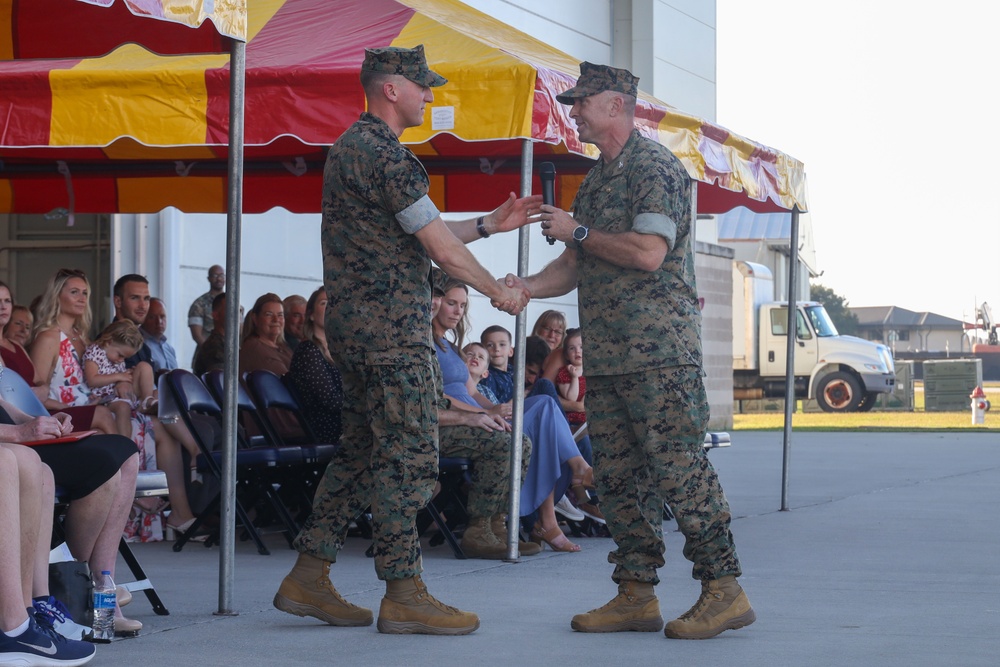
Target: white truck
843,373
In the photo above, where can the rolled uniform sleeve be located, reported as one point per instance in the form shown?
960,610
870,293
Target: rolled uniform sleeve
418,215
658,224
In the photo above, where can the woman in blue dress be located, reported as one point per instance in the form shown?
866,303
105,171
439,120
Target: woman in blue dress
555,460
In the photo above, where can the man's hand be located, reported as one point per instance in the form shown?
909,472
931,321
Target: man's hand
556,223
486,421
513,213
513,298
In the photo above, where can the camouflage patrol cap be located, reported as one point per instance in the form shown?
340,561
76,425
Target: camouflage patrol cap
598,78
409,63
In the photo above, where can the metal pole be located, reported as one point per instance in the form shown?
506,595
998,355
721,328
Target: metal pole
234,222
793,261
520,333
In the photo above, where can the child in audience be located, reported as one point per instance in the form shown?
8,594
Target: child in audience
570,381
499,379
477,359
106,375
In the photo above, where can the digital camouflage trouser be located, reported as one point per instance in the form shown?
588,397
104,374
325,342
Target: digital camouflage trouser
648,433
388,458
490,455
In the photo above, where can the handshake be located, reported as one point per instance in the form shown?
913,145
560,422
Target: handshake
514,294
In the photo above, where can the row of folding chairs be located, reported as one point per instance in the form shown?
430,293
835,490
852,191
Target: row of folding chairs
270,470
273,463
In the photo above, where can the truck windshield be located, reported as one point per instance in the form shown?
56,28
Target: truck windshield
821,321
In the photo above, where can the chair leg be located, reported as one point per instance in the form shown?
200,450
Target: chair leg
142,582
445,530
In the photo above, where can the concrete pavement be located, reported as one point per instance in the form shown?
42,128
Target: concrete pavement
888,556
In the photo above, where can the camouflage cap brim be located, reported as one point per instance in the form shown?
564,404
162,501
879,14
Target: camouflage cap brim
596,79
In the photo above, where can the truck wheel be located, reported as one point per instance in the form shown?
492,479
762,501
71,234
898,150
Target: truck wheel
839,392
868,402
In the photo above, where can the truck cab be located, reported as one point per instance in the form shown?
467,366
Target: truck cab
843,373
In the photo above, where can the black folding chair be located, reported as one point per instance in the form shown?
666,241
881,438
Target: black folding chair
149,483
189,396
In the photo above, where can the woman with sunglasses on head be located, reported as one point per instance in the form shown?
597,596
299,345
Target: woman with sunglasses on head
56,353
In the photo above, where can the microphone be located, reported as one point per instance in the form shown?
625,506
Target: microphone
547,173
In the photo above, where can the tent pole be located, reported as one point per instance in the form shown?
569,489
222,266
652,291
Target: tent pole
234,222
793,261
517,419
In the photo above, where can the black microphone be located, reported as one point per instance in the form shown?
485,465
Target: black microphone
547,173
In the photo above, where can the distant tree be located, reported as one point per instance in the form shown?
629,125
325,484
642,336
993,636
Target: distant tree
837,306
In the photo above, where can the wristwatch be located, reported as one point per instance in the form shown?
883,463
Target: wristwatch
580,234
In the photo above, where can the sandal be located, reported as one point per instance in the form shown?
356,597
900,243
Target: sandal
149,406
553,537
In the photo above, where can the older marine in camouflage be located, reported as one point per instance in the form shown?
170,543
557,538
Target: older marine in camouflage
645,396
630,256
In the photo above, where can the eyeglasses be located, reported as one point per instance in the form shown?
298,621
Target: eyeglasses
558,332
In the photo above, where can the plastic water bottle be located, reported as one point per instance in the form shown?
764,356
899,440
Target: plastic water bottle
104,608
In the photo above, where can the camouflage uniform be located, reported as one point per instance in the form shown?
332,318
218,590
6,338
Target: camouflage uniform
645,394
378,327
490,455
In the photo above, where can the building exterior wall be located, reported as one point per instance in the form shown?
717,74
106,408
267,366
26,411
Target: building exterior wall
714,272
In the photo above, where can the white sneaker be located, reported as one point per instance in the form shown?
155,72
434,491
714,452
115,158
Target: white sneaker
565,508
53,613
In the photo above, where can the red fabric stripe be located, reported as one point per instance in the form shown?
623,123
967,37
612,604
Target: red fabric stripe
26,102
291,88
64,29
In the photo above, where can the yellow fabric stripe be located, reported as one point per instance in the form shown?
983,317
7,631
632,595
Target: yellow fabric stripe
108,103
260,13
6,196
6,29
203,194
500,109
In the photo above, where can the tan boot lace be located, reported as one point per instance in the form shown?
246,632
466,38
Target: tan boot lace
707,597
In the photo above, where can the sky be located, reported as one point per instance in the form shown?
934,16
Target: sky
893,107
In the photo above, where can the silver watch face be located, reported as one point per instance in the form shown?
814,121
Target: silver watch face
580,233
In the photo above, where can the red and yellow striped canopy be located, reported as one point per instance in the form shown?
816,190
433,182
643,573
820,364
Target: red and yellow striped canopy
136,130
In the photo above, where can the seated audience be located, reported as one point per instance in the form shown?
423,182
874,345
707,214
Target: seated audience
60,338
104,370
98,475
18,329
500,378
295,319
264,344
551,327
154,327
28,614
554,454
485,440
313,375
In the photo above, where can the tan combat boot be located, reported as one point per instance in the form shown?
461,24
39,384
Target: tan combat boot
408,609
478,541
722,606
634,609
499,525
307,591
